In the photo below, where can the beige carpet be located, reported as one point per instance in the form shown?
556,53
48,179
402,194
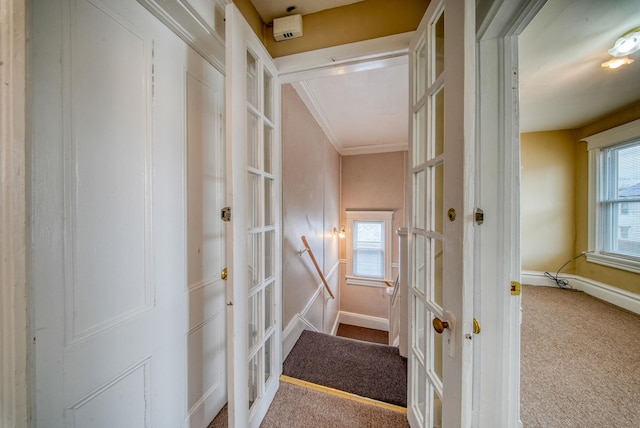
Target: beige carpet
580,364
297,406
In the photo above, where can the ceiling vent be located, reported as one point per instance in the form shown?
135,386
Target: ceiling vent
288,27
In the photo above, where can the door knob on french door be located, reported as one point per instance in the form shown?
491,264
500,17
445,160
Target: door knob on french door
439,325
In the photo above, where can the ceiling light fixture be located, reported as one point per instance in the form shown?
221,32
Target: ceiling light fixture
626,44
617,62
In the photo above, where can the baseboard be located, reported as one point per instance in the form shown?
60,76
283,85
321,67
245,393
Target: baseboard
363,321
616,296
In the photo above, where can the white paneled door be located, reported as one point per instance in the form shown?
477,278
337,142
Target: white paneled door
126,246
254,284
442,103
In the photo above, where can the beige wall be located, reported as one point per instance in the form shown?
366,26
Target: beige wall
311,194
547,196
618,278
550,235
374,181
356,22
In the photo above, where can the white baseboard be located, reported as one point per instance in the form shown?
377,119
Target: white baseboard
366,321
616,296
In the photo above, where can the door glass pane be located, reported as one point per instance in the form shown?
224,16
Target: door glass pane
419,263
253,205
268,358
253,257
419,199
269,302
252,79
268,95
253,141
436,409
419,329
436,364
438,269
420,390
420,68
438,144
268,156
269,253
253,380
268,202
253,314
439,46
438,197
419,131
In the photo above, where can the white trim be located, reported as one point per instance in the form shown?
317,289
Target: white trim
361,320
351,57
14,308
377,148
615,261
299,322
608,293
614,136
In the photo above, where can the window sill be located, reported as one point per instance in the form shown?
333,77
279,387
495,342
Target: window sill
615,261
366,282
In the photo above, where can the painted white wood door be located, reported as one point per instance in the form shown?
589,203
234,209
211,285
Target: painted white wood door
126,296
254,250
442,103
206,242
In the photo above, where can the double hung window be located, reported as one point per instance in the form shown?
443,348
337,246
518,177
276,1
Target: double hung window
614,195
369,240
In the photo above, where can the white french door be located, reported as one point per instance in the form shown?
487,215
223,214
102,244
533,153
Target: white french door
254,251
440,225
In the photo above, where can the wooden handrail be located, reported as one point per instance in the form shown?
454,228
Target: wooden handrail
315,263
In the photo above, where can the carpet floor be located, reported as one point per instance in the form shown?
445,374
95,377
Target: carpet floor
580,362
366,369
296,406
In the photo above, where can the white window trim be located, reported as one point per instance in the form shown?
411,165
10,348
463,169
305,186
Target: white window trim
387,217
611,137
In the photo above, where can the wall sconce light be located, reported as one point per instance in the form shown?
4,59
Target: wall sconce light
617,62
341,233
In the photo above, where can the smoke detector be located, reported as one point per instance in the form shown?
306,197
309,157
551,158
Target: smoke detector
288,27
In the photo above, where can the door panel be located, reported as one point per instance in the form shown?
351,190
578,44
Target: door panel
123,328
439,363
254,286
206,252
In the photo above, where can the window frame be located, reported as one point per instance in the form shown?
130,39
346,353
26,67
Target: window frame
597,144
384,216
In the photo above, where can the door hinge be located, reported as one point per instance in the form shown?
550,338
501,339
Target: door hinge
225,214
479,216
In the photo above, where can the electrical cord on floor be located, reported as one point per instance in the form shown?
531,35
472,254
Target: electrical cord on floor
560,282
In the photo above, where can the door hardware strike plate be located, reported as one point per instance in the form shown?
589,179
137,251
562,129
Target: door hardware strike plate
479,216
515,288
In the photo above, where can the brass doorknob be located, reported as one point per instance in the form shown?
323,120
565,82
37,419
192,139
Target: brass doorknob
439,325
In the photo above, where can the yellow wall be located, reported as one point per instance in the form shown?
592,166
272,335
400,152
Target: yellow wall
555,198
547,196
618,278
356,22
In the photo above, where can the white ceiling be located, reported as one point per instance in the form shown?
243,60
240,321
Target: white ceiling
562,85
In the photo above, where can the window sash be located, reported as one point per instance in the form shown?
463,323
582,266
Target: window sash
369,247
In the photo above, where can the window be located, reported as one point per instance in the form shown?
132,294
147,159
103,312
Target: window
369,241
614,197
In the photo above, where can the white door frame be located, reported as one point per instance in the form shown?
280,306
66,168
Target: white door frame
14,303
496,392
